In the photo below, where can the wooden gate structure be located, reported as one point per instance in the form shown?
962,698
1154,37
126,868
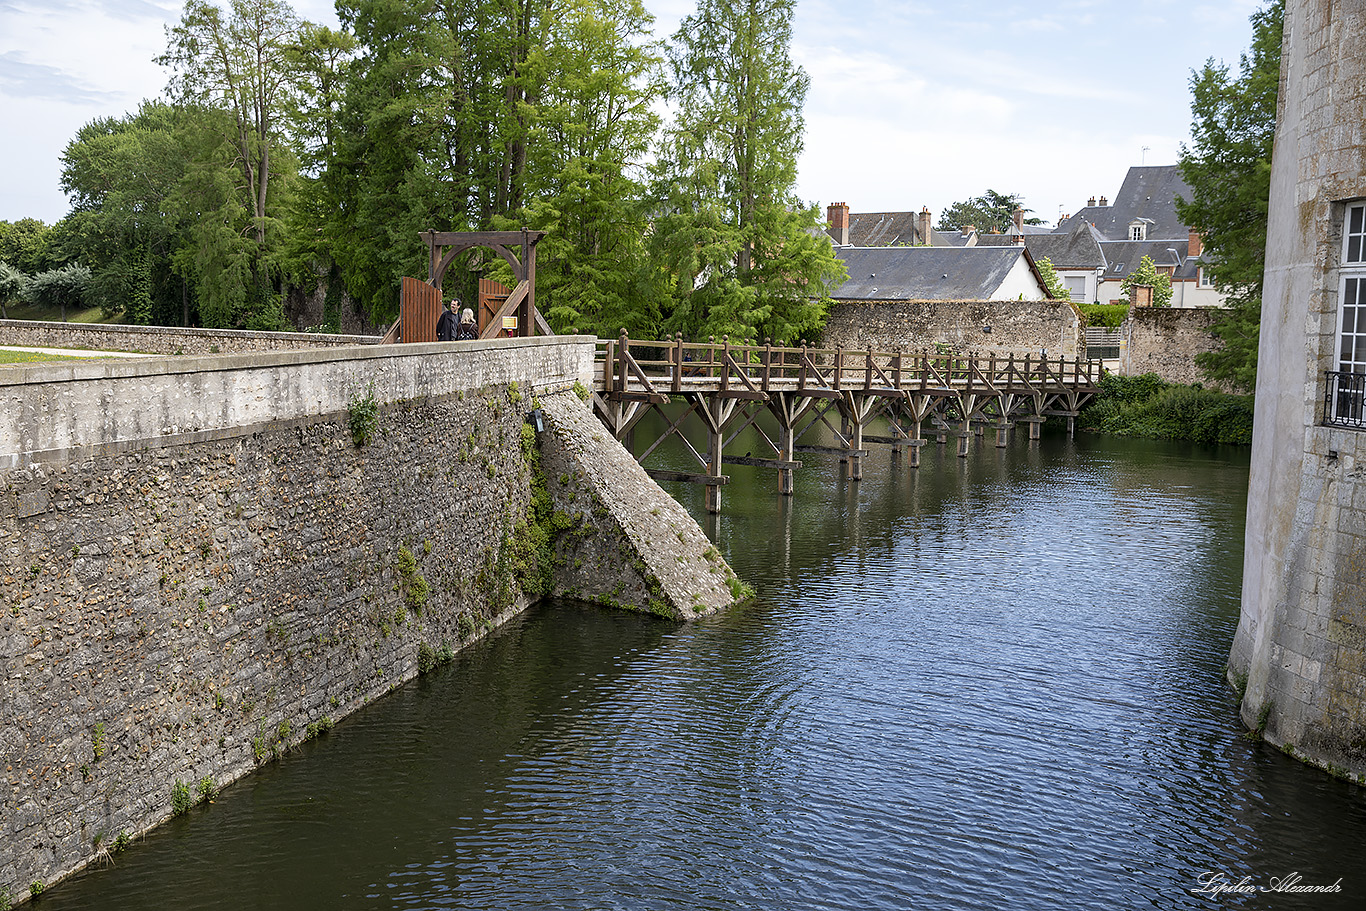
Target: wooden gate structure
729,387
517,313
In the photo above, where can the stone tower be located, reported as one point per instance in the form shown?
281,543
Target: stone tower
1300,649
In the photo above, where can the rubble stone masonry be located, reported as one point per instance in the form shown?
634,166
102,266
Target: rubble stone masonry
1007,328
200,565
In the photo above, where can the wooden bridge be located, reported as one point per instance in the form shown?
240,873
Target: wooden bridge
728,387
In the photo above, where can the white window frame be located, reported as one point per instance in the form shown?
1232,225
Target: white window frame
1074,291
1349,353
1138,231
1204,279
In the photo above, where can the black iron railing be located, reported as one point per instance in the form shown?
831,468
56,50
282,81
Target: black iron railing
1344,399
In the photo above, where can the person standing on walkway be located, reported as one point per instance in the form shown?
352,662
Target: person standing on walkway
446,325
468,330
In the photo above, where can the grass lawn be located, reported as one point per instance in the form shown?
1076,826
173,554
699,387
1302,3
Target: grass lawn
8,358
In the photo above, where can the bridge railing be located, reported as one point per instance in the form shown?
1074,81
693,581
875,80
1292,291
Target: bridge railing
661,367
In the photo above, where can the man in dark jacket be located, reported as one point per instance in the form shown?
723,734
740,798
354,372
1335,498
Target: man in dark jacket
447,324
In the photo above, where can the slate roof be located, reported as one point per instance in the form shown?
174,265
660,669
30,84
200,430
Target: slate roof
1078,248
1148,192
892,229
924,273
1123,257
882,229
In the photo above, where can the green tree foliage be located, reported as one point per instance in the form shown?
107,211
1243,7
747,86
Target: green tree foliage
1147,274
319,64
25,245
432,132
64,288
123,228
590,134
13,287
742,257
1051,282
1228,168
244,67
990,212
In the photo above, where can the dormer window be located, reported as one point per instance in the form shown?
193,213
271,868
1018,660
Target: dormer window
1138,230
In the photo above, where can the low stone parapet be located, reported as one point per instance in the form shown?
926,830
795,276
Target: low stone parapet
165,339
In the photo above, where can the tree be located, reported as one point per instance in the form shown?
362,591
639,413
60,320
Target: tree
121,174
990,212
64,287
589,137
1147,274
244,67
13,286
1228,168
24,244
739,252
431,133
1051,282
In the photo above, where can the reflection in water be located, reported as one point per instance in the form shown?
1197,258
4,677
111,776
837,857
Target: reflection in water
989,682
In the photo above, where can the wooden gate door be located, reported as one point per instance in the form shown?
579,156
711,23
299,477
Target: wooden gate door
419,308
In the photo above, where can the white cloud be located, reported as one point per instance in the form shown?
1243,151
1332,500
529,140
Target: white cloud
912,102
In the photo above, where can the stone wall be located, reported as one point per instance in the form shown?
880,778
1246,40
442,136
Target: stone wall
164,339
1017,328
624,544
1299,654
185,598
1165,341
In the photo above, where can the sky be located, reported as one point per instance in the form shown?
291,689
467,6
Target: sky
912,103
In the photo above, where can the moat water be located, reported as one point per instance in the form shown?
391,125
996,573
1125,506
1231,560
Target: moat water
992,682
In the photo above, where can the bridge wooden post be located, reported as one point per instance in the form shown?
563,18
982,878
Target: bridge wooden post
715,441
856,454
787,453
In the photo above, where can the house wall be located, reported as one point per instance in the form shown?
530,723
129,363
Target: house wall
1089,276
1185,295
1020,284
1018,328
1299,654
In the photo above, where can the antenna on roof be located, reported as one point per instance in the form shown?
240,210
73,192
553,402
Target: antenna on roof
1143,156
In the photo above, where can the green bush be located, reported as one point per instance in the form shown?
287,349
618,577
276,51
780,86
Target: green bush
1147,406
1107,315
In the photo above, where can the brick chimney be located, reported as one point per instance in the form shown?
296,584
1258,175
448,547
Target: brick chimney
923,226
1103,202
1091,202
1018,218
837,217
1194,246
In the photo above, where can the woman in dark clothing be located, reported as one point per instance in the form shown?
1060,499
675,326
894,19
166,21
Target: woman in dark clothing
468,330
